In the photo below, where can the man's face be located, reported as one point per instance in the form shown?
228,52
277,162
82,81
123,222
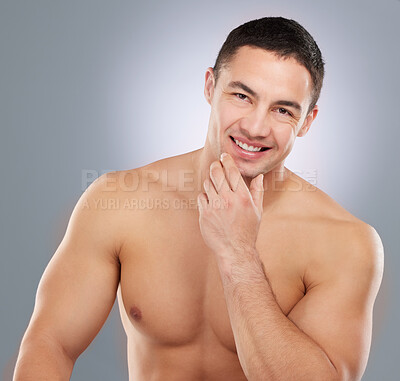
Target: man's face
260,100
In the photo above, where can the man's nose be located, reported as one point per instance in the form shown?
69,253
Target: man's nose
257,123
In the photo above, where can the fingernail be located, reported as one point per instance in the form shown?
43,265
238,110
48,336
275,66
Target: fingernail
223,154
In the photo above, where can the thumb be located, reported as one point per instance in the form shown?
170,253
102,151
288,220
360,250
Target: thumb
257,191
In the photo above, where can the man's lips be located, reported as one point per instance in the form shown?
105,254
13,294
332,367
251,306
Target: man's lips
248,151
247,144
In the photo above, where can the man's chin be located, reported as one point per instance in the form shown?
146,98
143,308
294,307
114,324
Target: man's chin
248,174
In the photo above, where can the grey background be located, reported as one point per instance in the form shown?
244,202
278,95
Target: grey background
103,85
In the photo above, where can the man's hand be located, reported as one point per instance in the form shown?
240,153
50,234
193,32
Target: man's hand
230,213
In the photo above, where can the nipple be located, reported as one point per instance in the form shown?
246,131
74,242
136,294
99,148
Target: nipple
135,313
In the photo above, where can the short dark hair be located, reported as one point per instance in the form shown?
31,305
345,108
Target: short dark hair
286,38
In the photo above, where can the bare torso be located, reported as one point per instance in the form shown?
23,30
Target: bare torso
171,297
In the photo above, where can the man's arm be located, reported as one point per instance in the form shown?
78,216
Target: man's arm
337,312
75,294
326,336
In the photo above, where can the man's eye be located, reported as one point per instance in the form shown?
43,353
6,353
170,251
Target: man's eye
241,96
283,111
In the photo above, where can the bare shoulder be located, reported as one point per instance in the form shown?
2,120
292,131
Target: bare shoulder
125,202
125,183
158,172
95,217
341,239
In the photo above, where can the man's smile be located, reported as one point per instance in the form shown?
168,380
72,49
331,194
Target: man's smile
247,149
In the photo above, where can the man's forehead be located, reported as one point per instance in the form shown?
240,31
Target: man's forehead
257,53
248,58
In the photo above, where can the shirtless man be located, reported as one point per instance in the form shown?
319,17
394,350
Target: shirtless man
226,267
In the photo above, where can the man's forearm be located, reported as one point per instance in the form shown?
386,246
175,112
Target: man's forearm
269,345
41,359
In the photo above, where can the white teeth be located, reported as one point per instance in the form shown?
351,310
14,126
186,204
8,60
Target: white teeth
246,147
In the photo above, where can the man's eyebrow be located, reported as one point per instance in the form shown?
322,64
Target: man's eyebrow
241,85
295,105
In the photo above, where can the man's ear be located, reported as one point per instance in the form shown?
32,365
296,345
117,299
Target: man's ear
307,122
209,85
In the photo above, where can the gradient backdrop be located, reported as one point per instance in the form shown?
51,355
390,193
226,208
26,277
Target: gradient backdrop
94,85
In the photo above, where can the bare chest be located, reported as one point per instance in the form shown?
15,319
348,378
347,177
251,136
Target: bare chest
171,291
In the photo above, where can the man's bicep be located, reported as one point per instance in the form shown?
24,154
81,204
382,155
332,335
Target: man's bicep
78,287
337,312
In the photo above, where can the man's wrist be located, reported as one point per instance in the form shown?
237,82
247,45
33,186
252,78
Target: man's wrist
240,263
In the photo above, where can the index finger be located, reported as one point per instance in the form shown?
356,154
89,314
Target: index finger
232,173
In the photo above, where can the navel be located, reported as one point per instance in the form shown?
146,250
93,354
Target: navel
135,313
